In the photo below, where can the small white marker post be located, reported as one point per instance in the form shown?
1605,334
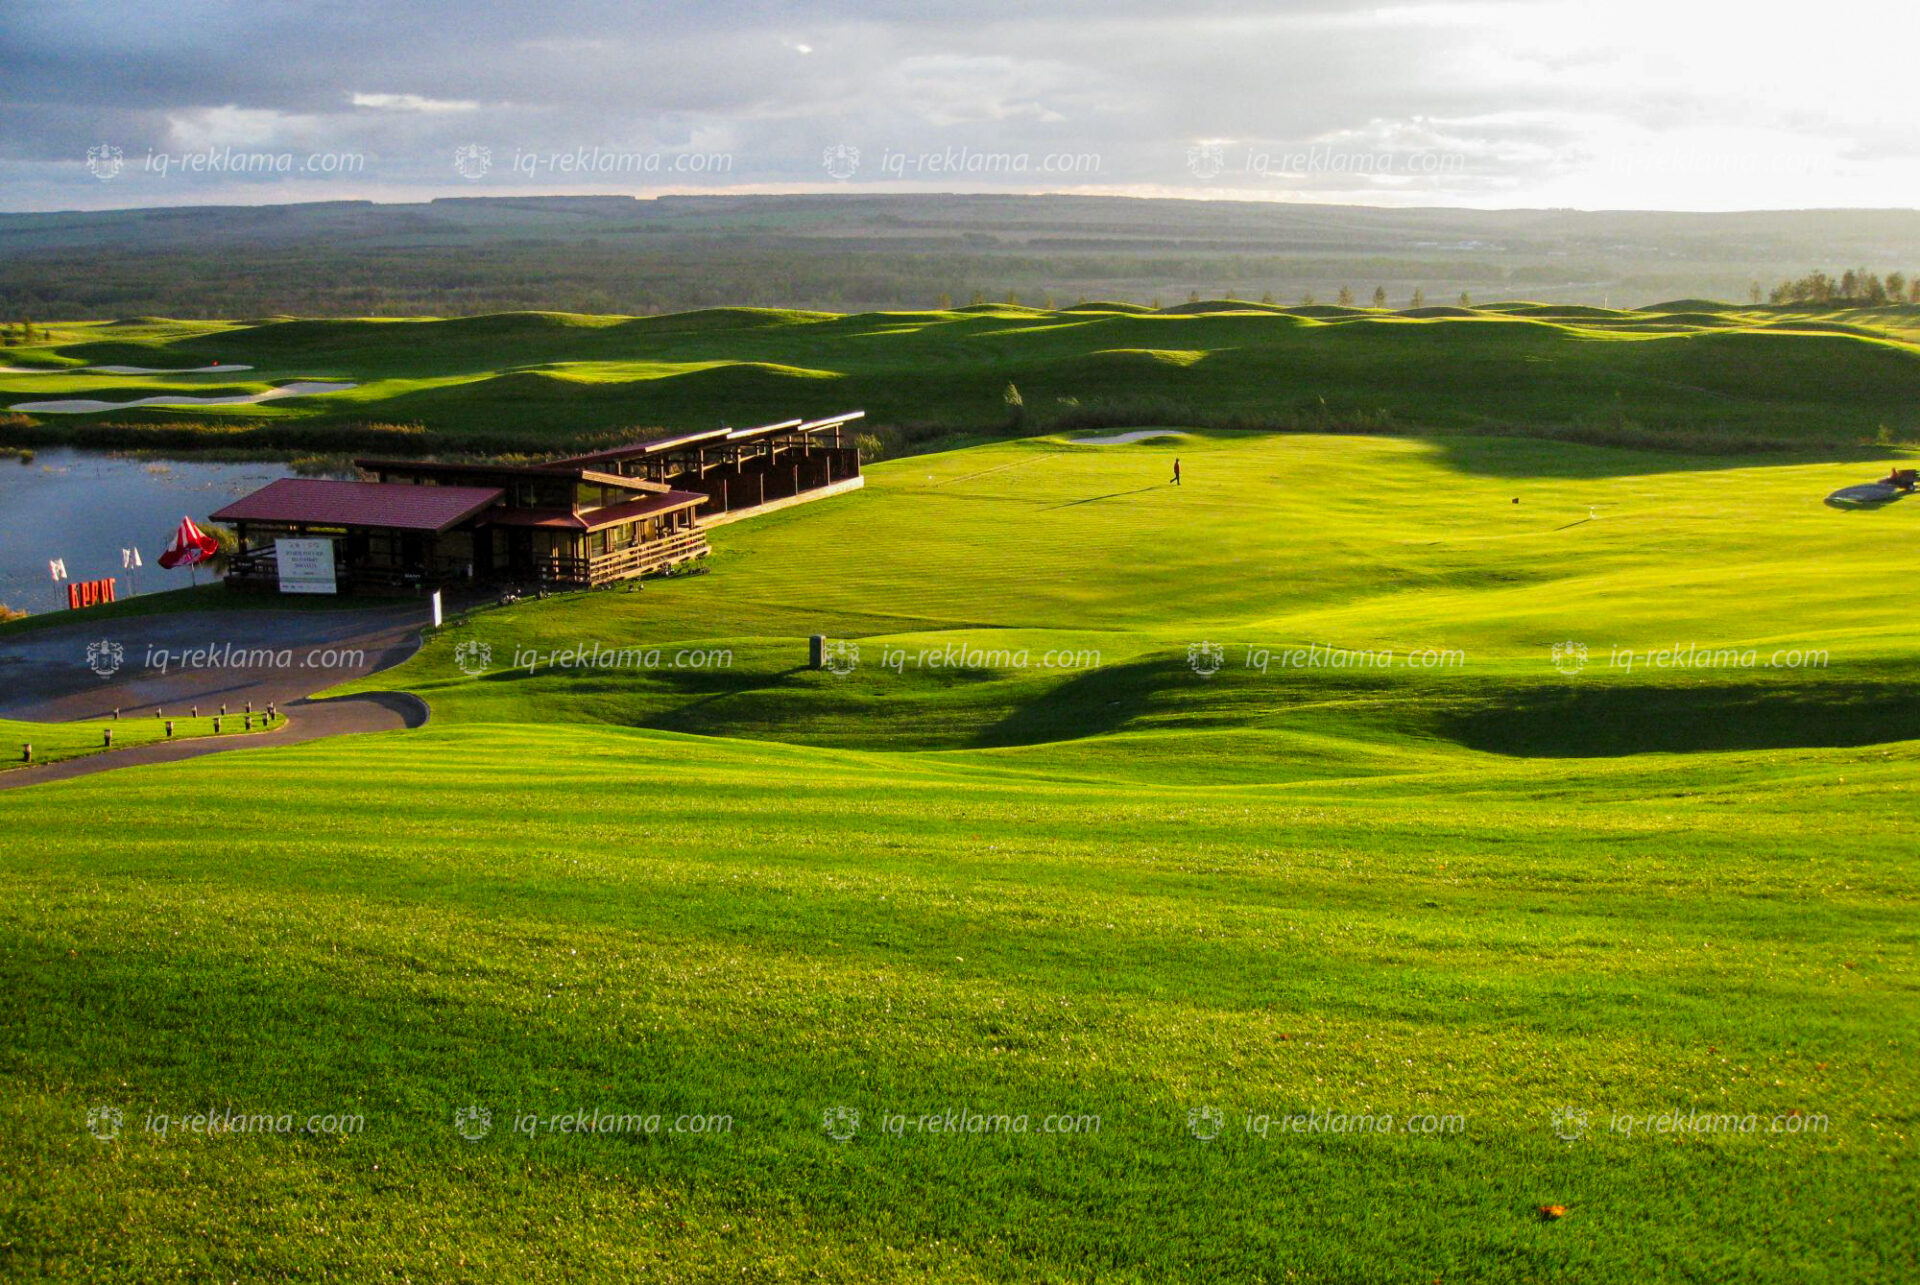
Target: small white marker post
436,608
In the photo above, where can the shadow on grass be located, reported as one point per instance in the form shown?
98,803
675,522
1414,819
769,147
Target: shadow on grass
1608,721
1574,455
1094,703
1095,499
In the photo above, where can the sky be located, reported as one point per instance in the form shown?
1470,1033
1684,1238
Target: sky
1627,104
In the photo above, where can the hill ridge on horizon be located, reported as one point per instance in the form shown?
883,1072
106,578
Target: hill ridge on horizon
871,251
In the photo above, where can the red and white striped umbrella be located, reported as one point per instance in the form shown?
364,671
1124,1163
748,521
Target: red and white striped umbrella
190,545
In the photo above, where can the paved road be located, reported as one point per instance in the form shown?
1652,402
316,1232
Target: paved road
207,659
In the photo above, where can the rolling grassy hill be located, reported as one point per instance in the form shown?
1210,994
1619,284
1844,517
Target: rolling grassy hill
1472,561
1026,861
1705,376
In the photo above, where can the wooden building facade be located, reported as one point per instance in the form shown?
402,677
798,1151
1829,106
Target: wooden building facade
582,522
740,470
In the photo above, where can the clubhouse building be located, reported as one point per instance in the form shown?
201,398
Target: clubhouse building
575,523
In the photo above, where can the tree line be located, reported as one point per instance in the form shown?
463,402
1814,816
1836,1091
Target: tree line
1855,286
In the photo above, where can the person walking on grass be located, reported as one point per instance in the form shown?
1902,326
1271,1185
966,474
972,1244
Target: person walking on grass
1176,472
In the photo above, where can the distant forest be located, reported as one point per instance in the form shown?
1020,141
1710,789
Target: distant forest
857,253
677,275
1856,287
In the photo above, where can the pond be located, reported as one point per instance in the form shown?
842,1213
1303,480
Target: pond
85,507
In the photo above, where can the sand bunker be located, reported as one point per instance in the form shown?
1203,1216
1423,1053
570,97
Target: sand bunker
88,405
155,370
118,370
1121,439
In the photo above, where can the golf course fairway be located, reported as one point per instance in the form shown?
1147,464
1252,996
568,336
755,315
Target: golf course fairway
1372,859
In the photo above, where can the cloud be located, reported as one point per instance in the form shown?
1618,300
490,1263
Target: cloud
1530,102
413,103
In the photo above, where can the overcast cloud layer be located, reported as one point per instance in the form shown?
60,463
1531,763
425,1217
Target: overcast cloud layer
1630,104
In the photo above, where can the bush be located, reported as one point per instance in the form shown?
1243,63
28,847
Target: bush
234,435
224,537
1016,409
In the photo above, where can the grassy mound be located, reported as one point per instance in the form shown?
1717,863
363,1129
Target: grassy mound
1209,307
1517,367
1559,311
1690,305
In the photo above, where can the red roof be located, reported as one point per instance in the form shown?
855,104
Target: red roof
563,520
312,501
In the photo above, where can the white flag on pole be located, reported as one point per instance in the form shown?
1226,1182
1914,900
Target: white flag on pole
129,559
57,568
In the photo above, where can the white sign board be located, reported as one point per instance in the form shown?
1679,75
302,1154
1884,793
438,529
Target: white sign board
306,566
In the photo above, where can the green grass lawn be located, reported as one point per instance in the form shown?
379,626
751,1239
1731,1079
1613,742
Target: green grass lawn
1275,543
53,742
1723,377
1535,922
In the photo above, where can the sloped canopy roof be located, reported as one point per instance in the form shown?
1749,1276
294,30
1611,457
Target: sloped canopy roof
312,501
612,515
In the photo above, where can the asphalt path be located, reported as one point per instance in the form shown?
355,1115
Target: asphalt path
147,665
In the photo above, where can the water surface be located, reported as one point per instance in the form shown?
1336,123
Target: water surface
85,507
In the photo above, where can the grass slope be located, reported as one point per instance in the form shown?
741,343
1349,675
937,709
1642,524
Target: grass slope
1491,892
1275,542
769,933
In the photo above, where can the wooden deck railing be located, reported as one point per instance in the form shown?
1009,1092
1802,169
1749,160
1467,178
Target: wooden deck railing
258,567
641,559
622,564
